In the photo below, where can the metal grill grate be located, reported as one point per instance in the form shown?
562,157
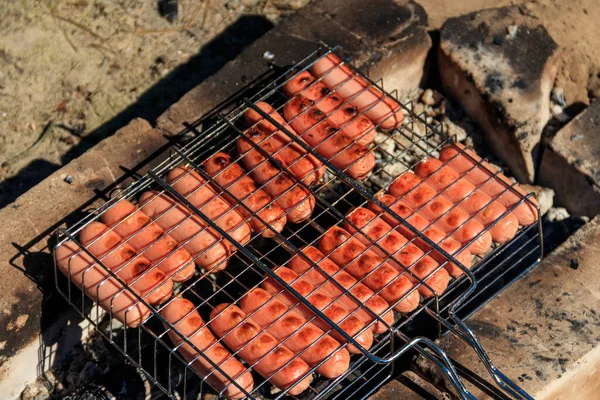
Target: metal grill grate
255,261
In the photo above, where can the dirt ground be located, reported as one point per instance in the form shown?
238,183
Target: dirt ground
74,71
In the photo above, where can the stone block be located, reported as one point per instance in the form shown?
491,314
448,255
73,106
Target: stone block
571,163
503,81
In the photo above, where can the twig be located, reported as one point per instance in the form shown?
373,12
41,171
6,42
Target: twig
80,26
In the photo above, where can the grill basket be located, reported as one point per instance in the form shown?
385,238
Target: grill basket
148,346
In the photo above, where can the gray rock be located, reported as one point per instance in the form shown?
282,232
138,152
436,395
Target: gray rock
543,195
504,88
571,164
409,386
558,96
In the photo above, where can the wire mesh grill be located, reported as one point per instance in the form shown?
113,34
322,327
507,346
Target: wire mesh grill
252,262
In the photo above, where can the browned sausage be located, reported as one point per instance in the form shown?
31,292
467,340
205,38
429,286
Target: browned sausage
474,173
356,259
270,359
278,138
350,324
288,193
150,240
325,137
392,242
420,195
182,314
201,195
122,259
235,180
204,244
474,201
303,338
99,286
449,244
344,115
381,109
367,298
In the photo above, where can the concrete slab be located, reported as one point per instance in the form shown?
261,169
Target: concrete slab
541,328
29,304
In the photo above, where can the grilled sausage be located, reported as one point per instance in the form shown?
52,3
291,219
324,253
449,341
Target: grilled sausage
270,359
288,193
352,158
204,244
233,178
201,195
449,244
303,338
182,314
99,286
474,173
350,324
363,294
474,201
346,116
420,195
255,119
149,240
122,259
381,109
364,264
392,242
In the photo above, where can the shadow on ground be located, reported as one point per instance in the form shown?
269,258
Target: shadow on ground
150,105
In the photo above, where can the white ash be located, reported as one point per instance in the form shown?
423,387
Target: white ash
557,214
512,30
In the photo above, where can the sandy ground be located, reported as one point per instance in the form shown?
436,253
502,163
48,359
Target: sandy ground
74,71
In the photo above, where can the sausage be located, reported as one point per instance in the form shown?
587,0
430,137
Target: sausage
325,137
453,155
350,324
99,286
474,201
201,195
278,138
297,202
270,359
381,109
233,178
122,259
364,264
303,338
368,299
356,126
449,244
150,240
205,245
182,314
420,195
392,242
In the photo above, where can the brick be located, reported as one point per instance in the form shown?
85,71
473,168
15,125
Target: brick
541,328
503,83
571,163
388,37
